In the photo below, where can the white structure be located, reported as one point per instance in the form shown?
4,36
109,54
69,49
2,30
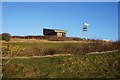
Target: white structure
85,29
107,40
85,26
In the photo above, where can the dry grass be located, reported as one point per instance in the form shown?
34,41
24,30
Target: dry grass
82,66
41,49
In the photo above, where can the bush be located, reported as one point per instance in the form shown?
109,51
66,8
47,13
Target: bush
11,50
51,51
6,37
45,51
76,39
73,48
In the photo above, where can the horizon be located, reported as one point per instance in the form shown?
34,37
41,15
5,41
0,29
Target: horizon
29,18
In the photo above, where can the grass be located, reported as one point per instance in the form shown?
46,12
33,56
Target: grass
32,44
82,66
41,48
105,65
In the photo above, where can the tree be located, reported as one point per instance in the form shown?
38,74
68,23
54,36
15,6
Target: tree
6,37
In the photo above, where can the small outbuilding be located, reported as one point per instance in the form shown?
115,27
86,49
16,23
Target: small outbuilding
54,32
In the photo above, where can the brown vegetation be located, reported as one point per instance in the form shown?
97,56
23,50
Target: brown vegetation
59,48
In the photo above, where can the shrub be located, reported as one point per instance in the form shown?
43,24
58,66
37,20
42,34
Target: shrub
50,51
37,51
77,39
45,51
73,49
58,39
11,50
6,37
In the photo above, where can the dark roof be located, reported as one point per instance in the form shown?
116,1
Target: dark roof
57,30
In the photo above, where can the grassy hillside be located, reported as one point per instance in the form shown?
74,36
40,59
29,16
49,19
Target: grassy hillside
82,66
78,65
43,48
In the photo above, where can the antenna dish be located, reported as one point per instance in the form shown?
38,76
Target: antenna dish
85,24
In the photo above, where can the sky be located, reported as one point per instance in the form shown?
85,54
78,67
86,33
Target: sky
29,18
119,20
60,0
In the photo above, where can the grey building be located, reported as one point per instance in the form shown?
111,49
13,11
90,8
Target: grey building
54,32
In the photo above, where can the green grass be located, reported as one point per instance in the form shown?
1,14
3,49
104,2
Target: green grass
82,66
32,44
105,65
43,48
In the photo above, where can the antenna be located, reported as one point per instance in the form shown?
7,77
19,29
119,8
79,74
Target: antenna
85,29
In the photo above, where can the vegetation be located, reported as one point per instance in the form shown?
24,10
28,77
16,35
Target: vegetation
11,50
50,38
82,66
77,65
6,37
41,49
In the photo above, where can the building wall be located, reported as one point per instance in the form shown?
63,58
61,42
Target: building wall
59,34
51,32
63,34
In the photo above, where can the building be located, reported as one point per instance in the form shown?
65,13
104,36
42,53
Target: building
54,32
107,40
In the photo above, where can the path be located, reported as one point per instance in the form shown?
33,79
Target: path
57,55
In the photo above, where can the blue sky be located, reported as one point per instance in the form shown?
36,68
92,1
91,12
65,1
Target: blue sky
29,18
60,0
